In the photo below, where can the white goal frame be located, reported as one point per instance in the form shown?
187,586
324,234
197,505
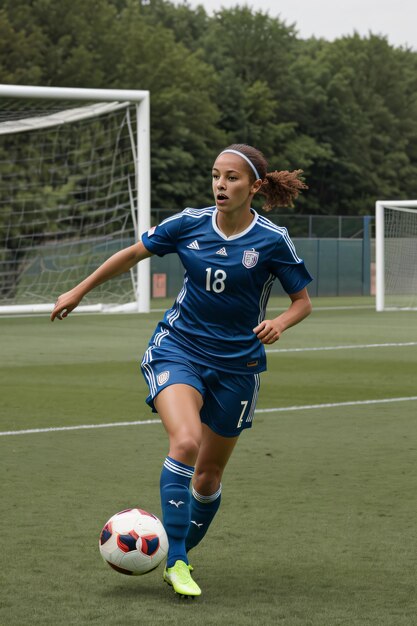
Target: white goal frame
141,100
407,206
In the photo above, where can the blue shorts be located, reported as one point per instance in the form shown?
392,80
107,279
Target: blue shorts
229,400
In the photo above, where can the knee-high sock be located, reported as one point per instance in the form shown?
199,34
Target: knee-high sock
175,503
203,510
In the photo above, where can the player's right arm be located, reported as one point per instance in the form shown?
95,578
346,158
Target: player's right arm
117,264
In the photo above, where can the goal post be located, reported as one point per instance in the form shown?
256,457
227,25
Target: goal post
74,189
396,254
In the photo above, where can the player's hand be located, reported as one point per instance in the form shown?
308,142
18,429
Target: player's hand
268,331
65,304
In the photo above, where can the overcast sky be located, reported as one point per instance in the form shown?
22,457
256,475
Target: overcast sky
397,19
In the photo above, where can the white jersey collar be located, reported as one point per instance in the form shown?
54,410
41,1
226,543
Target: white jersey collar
242,234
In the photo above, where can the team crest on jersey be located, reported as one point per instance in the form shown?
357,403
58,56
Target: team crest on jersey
250,258
163,378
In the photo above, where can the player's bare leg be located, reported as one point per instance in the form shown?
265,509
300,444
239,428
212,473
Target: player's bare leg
179,409
213,455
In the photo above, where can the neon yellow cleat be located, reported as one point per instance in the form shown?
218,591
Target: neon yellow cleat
179,578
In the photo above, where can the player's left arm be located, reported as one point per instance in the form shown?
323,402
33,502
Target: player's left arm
269,331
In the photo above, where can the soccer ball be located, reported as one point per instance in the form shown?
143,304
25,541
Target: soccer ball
133,542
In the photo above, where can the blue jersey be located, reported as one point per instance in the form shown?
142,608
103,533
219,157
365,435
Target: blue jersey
227,283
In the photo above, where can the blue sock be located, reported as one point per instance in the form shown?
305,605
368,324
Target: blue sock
175,503
203,510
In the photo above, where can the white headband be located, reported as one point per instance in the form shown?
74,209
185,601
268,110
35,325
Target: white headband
255,171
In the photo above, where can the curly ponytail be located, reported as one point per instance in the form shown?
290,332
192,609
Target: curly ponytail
280,188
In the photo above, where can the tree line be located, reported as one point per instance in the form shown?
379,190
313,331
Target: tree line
344,111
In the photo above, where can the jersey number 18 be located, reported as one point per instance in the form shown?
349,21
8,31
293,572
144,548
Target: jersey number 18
215,282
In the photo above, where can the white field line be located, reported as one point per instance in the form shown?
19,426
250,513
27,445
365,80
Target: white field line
304,407
32,431
348,347
342,307
330,405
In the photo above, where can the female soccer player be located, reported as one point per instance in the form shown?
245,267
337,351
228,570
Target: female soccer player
203,362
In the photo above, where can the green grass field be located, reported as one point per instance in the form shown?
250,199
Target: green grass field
317,525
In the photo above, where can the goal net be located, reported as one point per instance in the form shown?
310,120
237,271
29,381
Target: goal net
396,255
74,189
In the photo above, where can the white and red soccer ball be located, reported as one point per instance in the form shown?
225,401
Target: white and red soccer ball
133,542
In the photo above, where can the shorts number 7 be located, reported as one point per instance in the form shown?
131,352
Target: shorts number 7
244,403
